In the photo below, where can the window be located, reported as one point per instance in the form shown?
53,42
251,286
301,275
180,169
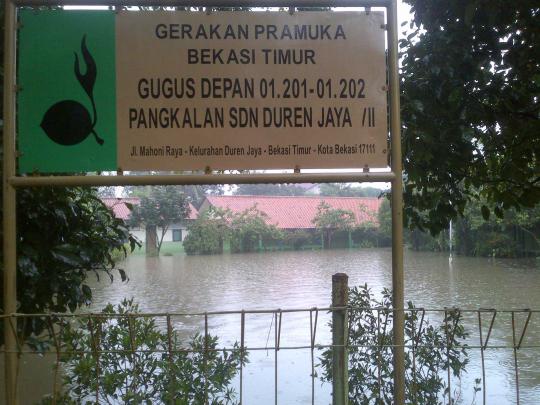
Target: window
177,235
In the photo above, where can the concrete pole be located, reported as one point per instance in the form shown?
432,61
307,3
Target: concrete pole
340,355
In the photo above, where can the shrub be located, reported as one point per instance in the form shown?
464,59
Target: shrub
297,238
205,235
249,228
128,359
370,354
496,244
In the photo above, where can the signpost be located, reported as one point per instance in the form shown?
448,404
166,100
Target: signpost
96,93
191,90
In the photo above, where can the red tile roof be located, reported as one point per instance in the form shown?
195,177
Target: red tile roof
120,209
193,213
297,212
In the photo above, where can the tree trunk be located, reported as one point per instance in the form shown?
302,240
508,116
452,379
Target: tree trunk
151,240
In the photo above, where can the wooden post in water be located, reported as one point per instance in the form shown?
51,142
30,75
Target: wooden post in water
340,355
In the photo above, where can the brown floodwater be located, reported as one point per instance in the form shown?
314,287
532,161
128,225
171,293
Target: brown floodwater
288,280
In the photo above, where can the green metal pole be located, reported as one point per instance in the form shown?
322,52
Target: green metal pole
9,204
397,209
340,354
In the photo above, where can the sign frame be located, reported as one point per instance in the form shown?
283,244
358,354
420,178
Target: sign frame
186,90
11,181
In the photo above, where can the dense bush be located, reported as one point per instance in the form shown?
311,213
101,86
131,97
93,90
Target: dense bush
206,234
370,352
496,244
244,230
249,229
63,235
118,358
298,238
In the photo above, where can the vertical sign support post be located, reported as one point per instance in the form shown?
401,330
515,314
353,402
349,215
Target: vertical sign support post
9,204
397,209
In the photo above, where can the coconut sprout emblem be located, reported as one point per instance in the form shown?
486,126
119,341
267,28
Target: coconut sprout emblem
68,122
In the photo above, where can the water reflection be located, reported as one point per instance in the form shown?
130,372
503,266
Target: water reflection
303,280
182,284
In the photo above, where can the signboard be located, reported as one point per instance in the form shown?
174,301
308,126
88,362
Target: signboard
190,90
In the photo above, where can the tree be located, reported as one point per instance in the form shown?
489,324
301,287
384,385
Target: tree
384,217
194,193
197,193
347,190
429,351
269,189
514,235
63,233
164,206
107,191
207,233
330,220
248,229
138,362
470,109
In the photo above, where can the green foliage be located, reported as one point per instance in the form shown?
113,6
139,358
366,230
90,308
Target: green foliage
138,364
384,217
207,233
106,192
470,108
424,241
64,233
347,190
515,234
249,228
245,230
269,189
162,207
496,244
297,238
197,193
249,231
331,220
194,193
370,351
510,234
369,237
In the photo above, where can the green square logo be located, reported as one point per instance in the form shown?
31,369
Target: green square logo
67,104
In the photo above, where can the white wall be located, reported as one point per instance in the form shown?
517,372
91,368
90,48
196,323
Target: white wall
141,233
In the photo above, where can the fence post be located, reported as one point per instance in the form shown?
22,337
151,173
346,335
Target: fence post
340,355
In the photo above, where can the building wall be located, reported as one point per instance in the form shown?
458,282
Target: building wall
173,230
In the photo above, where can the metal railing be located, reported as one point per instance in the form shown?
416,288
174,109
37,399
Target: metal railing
491,332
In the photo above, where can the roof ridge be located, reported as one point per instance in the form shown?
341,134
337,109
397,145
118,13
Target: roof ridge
291,196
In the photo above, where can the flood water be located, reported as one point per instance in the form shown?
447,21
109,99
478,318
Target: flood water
289,280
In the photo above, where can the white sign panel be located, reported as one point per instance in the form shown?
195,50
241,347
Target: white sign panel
250,90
